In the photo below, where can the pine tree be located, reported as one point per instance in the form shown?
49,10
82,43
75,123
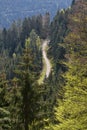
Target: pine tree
29,92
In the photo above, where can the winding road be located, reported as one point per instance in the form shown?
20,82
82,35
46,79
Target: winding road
46,60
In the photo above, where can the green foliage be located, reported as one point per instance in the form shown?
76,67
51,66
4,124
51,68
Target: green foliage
13,38
59,29
24,104
45,26
4,119
21,59
27,83
71,111
4,112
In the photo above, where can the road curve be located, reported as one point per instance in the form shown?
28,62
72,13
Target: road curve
46,60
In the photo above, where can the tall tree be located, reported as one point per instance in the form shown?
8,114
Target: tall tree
45,25
29,89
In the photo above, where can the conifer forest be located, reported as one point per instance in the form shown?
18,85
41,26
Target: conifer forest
43,66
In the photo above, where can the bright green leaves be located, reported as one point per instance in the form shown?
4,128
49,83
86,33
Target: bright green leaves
71,111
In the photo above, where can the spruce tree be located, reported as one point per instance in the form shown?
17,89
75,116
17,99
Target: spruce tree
29,90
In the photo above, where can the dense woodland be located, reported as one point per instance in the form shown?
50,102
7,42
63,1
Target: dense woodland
60,102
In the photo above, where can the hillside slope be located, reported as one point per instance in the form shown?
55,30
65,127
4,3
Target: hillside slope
11,10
